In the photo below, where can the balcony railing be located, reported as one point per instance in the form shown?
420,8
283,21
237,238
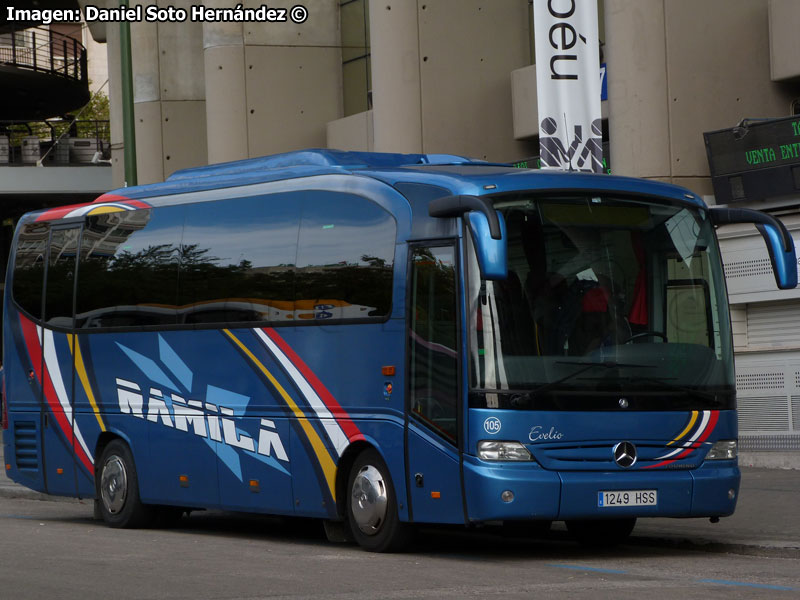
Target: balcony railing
54,142
45,51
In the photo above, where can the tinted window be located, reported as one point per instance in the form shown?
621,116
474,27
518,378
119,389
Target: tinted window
129,268
29,267
61,276
344,258
237,260
433,330
303,256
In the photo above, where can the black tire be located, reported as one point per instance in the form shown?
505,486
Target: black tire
372,506
601,533
118,489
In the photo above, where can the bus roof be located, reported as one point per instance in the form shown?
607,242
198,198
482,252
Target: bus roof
457,174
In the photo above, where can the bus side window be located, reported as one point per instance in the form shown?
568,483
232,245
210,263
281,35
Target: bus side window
434,339
237,262
120,248
61,276
29,264
345,257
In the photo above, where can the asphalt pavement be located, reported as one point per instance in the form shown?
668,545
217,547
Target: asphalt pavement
766,521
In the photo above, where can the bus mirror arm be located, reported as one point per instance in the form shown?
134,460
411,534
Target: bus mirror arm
778,240
454,206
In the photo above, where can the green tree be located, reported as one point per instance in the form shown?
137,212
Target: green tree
96,109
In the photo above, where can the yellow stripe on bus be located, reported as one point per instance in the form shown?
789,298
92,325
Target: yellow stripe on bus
324,457
75,348
688,428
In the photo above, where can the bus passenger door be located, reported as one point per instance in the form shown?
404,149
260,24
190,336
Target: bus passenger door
434,406
59,434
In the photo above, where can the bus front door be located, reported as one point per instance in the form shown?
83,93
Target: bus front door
435,490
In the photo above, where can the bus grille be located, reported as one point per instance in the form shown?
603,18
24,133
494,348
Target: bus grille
25,446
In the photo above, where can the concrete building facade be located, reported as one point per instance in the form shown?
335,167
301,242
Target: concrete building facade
458,76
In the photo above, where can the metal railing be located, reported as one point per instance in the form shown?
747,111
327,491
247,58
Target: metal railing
54,142
46,51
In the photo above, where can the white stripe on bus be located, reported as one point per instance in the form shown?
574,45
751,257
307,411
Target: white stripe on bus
337,436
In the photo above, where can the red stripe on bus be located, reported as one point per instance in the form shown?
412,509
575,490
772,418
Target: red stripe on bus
34,347
43,377
110,198
712,423
61,418
348,427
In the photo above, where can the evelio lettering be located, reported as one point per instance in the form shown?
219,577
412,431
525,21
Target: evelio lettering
537,435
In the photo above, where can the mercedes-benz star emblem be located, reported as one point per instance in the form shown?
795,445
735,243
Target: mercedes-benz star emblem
625,454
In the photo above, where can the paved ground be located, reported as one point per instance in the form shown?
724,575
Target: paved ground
766,522
54,550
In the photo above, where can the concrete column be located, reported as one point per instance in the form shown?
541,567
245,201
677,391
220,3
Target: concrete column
293,78
638,93
225,91
147,102
115,105
182,91
396,92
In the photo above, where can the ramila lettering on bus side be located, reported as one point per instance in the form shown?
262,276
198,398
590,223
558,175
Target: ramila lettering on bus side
206,420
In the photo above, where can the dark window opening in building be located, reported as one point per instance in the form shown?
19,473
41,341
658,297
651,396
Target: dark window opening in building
356,63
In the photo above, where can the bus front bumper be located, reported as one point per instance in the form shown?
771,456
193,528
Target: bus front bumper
526,491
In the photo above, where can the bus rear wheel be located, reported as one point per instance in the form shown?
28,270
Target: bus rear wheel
118,489
372,506
601,533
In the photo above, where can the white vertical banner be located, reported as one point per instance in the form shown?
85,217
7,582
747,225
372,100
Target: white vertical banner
568,84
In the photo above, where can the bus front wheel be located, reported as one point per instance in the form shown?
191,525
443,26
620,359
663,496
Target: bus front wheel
372,506
118,489
601,533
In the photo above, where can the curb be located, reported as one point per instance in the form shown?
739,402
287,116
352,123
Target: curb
776,550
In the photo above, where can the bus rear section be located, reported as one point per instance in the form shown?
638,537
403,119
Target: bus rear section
176,352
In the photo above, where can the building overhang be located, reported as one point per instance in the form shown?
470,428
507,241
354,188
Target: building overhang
55,180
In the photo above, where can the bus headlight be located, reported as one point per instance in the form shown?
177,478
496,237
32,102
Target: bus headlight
507,451
723,450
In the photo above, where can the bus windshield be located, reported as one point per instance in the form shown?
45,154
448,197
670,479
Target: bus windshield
609,303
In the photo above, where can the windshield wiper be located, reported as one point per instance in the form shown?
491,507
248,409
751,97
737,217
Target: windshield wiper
587,366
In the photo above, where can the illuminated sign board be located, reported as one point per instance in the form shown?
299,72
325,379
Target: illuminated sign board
755,160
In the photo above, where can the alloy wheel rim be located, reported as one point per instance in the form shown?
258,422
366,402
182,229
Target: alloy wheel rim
114,484
369,500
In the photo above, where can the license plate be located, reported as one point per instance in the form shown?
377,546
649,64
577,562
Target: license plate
627,498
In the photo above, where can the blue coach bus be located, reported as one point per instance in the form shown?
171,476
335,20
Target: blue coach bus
378,341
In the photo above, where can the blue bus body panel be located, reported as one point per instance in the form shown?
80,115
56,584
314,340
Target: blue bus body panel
439,498
574,452
247,419
260,418
552,495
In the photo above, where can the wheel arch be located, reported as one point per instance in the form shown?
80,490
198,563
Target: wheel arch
104,439
343,472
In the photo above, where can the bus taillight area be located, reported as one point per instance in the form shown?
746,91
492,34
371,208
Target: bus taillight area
515,492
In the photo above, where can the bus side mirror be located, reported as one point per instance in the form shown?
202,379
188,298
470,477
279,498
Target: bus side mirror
780,244
487,226
492,254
